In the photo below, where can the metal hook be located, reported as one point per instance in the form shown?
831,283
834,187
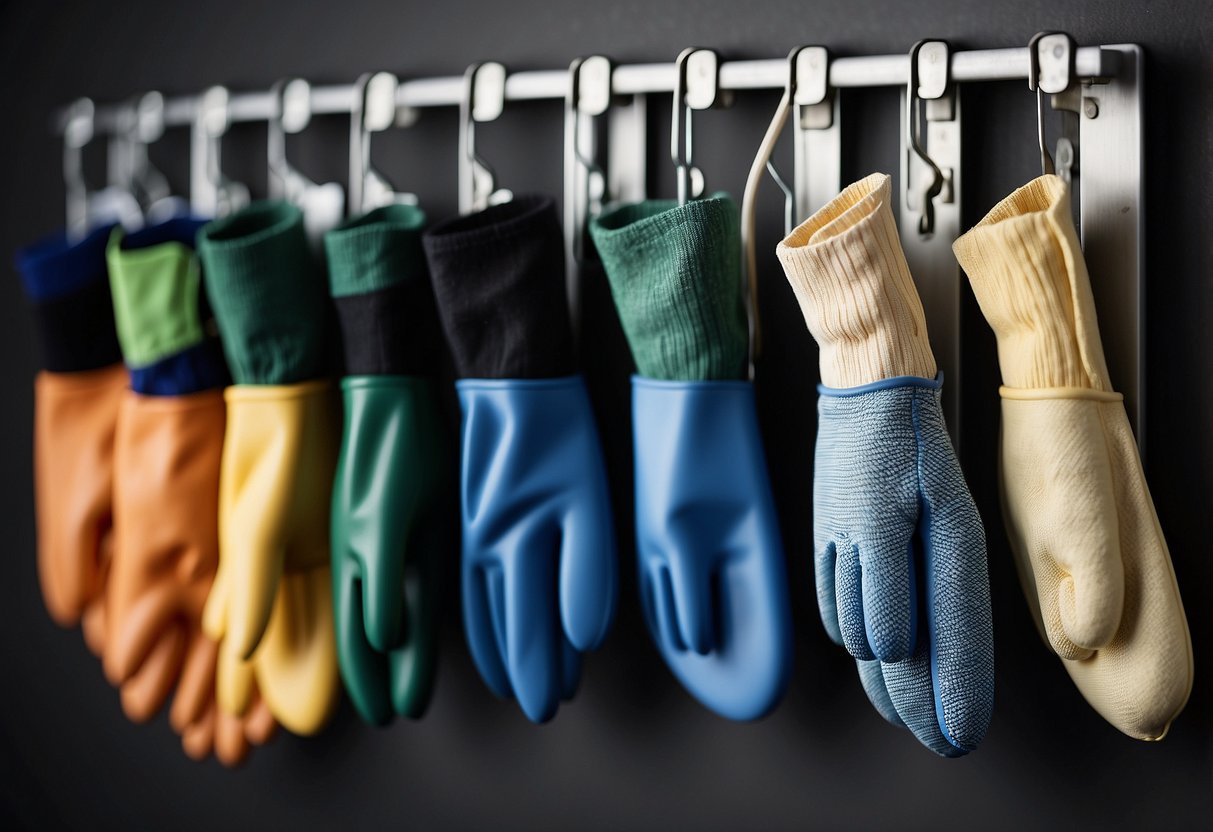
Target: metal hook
211,193
935,52
1051,58
78,131
696,87
321,204
483,100
374,111
800,61
139,125
589,96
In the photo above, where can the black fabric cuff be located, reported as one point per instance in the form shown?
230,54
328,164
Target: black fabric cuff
77,330
392,331
499,283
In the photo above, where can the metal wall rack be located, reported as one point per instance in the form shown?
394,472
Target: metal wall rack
1097,90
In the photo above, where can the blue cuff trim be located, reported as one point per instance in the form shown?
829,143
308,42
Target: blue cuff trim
883,384
201,367
54,266
517,383
710,384
182,230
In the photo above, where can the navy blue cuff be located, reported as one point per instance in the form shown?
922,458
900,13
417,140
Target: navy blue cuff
54,266
201,367
182,230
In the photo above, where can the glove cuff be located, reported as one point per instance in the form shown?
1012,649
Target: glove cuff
385,304
847,269
269,300
156,284
1028,274
73,313
499,282
675,277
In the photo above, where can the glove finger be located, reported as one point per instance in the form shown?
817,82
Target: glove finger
231,746
570,667
414,665
484,624
825,565
135,630
890,596
532,627
233,681
691,582
92,623
848,582
912,692
297,659
872,679
145,692
588,569
665,619
197,685
198,738
256,571
957,601
259,724
364,670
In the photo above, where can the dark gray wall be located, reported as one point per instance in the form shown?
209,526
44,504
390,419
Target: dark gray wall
633,750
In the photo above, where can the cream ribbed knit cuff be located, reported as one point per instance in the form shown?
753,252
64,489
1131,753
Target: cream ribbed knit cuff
1028,274
846,266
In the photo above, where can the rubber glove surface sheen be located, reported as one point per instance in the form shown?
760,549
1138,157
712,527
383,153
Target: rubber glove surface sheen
712,578
271,607
538,567
1087,543
76,400
899,548
394,490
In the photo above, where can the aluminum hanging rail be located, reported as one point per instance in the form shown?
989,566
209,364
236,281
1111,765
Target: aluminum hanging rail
635,79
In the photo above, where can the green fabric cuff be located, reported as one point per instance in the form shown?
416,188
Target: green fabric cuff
379,249
675,274
155,292
269,299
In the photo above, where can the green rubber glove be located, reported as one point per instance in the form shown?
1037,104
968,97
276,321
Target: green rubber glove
675,276
392,503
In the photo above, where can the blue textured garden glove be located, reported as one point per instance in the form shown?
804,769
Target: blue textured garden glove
899,547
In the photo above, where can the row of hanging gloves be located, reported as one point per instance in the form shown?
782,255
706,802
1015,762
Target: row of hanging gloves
232,542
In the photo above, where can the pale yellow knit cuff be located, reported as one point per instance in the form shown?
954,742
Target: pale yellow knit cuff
1027,271
847,269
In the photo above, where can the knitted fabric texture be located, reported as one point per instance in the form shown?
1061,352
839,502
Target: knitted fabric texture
379,283
270,301
901,559
1088,546
675,276
498,279
70,298
156,283
847,269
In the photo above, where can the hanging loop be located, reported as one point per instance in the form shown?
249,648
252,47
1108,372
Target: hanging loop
211,193
1051,69
696,87
483,100
928,80
78,131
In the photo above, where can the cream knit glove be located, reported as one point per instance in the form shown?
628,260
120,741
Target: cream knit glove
1088,547
846,266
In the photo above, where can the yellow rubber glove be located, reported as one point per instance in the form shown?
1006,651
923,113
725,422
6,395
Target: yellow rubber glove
1088,547
271,607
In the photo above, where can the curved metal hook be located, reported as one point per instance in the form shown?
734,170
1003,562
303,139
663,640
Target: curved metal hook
483,100
1056,81
696,87
926,219
212,193
141,124
374,111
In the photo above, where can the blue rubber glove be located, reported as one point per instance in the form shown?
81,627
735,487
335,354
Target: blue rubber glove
539,576
712,577
900,559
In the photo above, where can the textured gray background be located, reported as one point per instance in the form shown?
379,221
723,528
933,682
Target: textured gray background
633,750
